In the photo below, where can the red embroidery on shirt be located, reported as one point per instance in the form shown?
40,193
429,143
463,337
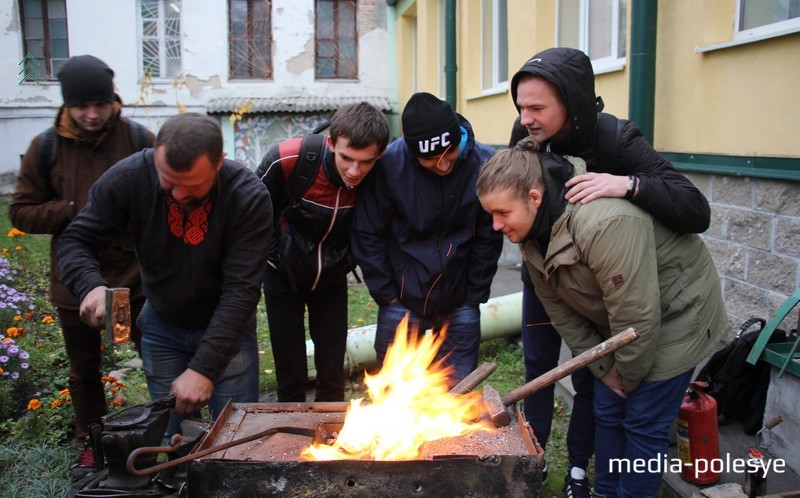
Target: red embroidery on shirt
192,231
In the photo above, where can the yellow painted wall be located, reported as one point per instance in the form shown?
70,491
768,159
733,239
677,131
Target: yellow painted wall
741,100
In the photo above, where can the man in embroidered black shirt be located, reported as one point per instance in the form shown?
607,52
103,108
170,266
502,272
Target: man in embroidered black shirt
201,227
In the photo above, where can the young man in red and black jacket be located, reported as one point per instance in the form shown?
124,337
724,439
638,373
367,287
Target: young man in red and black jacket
309,256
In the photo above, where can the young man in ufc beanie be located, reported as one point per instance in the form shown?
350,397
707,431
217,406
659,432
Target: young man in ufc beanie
61,164
424,243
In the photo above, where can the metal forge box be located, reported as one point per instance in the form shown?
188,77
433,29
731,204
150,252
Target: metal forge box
506,462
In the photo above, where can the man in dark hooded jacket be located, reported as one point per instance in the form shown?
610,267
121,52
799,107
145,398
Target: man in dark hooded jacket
554,94
423,242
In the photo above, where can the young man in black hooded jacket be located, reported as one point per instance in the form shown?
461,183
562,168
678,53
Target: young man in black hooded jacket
554,94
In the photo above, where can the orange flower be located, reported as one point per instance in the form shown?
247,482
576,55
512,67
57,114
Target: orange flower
28,315
17,248
47,319
63,393
17,318
1,371
116,403
15,233
12,332
34,404
56,403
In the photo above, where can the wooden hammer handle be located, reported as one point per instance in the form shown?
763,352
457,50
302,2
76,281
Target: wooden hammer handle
474,378
586,358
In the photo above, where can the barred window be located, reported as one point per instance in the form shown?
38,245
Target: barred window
336,53
160,32
250,38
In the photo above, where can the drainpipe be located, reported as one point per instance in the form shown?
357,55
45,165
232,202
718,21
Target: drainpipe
500,317
450,67
641,102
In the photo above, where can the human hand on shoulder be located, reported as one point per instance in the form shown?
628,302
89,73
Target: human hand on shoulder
192,391
590,186
93,308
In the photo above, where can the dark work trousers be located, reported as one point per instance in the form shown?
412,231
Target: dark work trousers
327,324
85,358
541,346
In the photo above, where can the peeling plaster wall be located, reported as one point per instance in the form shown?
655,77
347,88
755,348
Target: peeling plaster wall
109,30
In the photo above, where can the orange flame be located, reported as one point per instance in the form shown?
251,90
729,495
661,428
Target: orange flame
410,405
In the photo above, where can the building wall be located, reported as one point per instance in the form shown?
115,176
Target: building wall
109,30
739,101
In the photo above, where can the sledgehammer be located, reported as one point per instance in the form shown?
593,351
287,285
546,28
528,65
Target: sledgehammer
496,405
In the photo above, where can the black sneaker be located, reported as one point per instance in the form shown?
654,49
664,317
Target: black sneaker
576,488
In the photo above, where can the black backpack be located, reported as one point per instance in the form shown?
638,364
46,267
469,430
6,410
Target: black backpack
739,388
308,160
48,145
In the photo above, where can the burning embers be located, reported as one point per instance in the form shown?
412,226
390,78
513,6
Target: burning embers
410,405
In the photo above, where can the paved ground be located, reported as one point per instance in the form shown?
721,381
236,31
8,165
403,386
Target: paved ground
506,281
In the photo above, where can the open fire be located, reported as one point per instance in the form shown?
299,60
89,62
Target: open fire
410,405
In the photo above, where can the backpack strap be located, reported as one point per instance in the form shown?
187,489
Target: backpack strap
305,169
606,141
47,150
140,136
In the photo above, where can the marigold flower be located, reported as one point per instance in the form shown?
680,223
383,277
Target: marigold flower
116,403
17,318
47,319
63,393
17,248
34,404
28,315
109,378
56,403
15,233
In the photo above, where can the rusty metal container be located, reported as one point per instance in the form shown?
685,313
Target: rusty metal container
507,462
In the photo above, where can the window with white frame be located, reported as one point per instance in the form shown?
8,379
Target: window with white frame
494,43
160,31
764,17
597,27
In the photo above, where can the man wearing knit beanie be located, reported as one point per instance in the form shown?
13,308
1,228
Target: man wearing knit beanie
61,164
425,245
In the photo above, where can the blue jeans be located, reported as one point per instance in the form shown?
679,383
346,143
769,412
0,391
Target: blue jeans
541,346
634,429
167,349
462,340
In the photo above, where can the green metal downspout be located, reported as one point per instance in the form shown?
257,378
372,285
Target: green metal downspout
450,52
641,101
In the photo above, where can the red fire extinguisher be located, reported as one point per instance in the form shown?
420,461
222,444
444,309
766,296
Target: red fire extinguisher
698,436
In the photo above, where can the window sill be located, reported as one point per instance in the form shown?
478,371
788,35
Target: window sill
745,40
608,66
498,90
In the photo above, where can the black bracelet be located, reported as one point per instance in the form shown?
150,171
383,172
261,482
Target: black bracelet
632,182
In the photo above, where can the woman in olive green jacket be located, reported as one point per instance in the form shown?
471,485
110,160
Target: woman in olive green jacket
598,269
